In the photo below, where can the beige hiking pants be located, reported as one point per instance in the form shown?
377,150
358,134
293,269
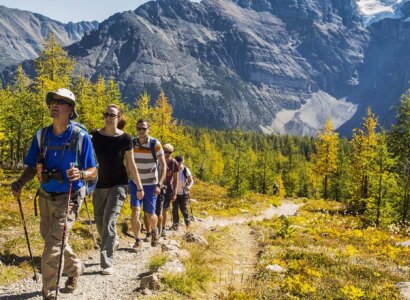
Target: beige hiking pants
52,217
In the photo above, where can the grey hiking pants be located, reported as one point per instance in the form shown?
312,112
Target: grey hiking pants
107,206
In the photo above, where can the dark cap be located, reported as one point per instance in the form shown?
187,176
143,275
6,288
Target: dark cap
179,158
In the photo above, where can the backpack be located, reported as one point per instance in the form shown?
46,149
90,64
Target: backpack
75,145
185,172
152,144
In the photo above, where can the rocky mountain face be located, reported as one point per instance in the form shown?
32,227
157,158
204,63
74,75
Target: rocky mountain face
22,34
274,65
229,64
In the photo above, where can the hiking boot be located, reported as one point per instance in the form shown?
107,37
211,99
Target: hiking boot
137,244
154,238
108,271
72,282
174,227
49,297
164,233
147,237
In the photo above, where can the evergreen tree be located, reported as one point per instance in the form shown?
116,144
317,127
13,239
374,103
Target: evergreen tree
238,183
265,168
399,141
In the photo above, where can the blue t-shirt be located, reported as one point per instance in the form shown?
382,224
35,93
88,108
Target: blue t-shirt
61,158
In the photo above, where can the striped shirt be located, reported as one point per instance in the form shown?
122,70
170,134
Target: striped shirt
146,165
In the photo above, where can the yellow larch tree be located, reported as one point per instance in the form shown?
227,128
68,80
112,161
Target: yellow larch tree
325,158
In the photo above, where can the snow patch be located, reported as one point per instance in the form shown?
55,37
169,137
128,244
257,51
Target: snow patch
376,10
312,115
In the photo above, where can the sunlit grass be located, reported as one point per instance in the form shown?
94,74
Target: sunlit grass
157,261
198,272
214,200
327,255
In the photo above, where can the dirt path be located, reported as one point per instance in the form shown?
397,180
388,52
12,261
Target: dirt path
241,249
129,266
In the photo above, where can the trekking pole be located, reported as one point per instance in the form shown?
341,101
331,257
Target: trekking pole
27,239
91,225
70,187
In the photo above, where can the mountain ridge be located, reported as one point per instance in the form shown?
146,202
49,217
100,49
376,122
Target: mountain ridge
239,63
23,32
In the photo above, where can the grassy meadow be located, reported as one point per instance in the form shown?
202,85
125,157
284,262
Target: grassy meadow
325,253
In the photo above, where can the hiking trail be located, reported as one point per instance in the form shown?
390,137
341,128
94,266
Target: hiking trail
131,266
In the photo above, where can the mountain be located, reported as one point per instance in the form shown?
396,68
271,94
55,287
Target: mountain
229,64
22,34
271,65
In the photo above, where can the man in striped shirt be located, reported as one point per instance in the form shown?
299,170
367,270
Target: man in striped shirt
147,152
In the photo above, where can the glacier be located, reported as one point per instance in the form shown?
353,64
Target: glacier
375,10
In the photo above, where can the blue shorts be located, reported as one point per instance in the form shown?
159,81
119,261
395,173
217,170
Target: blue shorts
149,201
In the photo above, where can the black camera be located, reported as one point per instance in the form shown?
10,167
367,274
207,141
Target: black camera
47,175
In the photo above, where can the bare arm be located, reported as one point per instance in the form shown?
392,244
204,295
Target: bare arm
174,185
163,169
27,175
163,172
190,182
132,168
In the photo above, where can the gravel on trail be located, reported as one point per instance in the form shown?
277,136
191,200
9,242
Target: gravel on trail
129,266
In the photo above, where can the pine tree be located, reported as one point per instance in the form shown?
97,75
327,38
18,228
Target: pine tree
399,141
265,168
238,184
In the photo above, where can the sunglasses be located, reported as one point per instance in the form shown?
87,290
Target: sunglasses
106,115
59,101
142,128
167,152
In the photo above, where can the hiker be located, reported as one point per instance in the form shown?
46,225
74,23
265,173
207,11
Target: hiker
51,155
147,152
111,146
171,182
185,182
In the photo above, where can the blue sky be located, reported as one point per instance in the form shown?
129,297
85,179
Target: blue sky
74,10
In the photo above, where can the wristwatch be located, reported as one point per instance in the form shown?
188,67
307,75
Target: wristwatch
159,185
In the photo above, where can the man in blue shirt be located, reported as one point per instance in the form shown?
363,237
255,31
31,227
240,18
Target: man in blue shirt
53,151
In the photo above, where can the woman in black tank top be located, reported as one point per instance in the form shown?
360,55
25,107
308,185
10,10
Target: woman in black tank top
112,146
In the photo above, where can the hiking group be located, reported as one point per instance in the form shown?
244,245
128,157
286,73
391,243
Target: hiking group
64,158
